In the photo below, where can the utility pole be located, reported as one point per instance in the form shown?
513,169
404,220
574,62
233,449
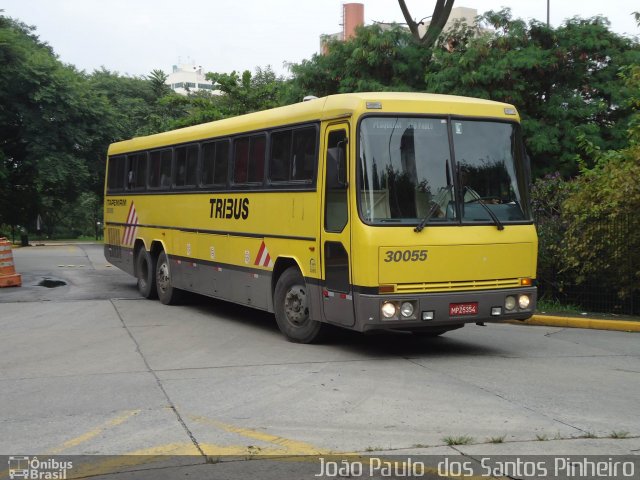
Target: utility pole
548,22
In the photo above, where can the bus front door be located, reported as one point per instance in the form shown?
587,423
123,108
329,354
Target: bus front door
337,295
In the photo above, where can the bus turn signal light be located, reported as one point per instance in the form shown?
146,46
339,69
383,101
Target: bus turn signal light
526,282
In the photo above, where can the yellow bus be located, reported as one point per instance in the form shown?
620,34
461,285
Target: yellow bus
368,211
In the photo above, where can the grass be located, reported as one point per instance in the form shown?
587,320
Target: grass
541,438
588,435
619,434
497,439
460,440
373,449
554,305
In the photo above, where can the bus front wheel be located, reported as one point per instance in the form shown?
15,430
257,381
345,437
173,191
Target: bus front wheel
291,305
167,293
146,273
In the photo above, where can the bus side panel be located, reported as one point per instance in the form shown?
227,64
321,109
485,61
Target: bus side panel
225,282
115,253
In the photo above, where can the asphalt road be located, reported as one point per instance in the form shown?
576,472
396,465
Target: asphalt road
91,368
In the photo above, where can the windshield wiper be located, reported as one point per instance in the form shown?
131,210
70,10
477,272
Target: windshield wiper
478,200
434,208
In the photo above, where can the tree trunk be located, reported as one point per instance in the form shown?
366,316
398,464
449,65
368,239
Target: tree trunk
439,18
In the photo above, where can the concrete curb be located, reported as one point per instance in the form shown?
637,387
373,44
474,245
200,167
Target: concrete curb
574,322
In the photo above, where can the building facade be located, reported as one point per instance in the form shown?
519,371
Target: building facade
188,78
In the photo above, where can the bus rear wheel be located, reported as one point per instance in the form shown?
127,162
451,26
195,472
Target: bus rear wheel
291,305
146,273
167,293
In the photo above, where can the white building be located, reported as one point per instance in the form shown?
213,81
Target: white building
188,78
464,14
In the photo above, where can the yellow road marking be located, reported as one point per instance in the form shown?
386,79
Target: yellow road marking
292,447
85,437
289,450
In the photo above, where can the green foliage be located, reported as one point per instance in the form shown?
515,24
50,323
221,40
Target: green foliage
589,228
564,81
157,78
129,101
377,59
609,189
548,195
51,127
248,92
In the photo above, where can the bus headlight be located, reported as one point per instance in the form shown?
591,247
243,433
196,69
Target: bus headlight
406,309
509,303
524,301
388,310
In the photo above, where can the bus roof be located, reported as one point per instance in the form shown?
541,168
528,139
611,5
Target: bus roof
330,107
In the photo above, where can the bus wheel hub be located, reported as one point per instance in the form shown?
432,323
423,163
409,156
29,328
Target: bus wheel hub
295,305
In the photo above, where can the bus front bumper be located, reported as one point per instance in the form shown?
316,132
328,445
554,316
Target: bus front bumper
442,310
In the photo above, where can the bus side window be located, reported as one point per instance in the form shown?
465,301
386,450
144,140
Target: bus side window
186,166
215,163
222,163
240,160
248,160
160,169
280,158
115,180
256,159
137,171
304,154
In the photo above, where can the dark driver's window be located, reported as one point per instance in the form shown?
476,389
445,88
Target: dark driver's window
336,216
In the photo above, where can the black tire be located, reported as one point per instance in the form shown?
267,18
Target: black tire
291,305
146,274
167,293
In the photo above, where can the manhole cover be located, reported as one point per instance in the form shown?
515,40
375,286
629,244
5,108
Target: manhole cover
50,283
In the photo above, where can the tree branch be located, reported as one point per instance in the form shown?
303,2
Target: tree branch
439,18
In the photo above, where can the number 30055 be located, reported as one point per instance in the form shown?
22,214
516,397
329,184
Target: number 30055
405,255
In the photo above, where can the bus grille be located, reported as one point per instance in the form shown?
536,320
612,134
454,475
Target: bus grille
464,285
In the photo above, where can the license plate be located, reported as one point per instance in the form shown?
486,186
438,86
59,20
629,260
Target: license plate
460,309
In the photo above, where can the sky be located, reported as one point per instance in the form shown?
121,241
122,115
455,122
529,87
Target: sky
136,36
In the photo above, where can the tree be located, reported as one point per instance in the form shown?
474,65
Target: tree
53,136
130,100
375,59
248,92
608,192
439,18
565,81
158,83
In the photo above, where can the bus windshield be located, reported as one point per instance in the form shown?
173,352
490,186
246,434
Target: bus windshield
409,171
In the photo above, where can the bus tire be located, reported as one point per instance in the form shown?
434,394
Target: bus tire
146,274
291,306
167,293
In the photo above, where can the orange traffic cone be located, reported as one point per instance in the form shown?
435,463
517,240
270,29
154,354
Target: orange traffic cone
8,275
